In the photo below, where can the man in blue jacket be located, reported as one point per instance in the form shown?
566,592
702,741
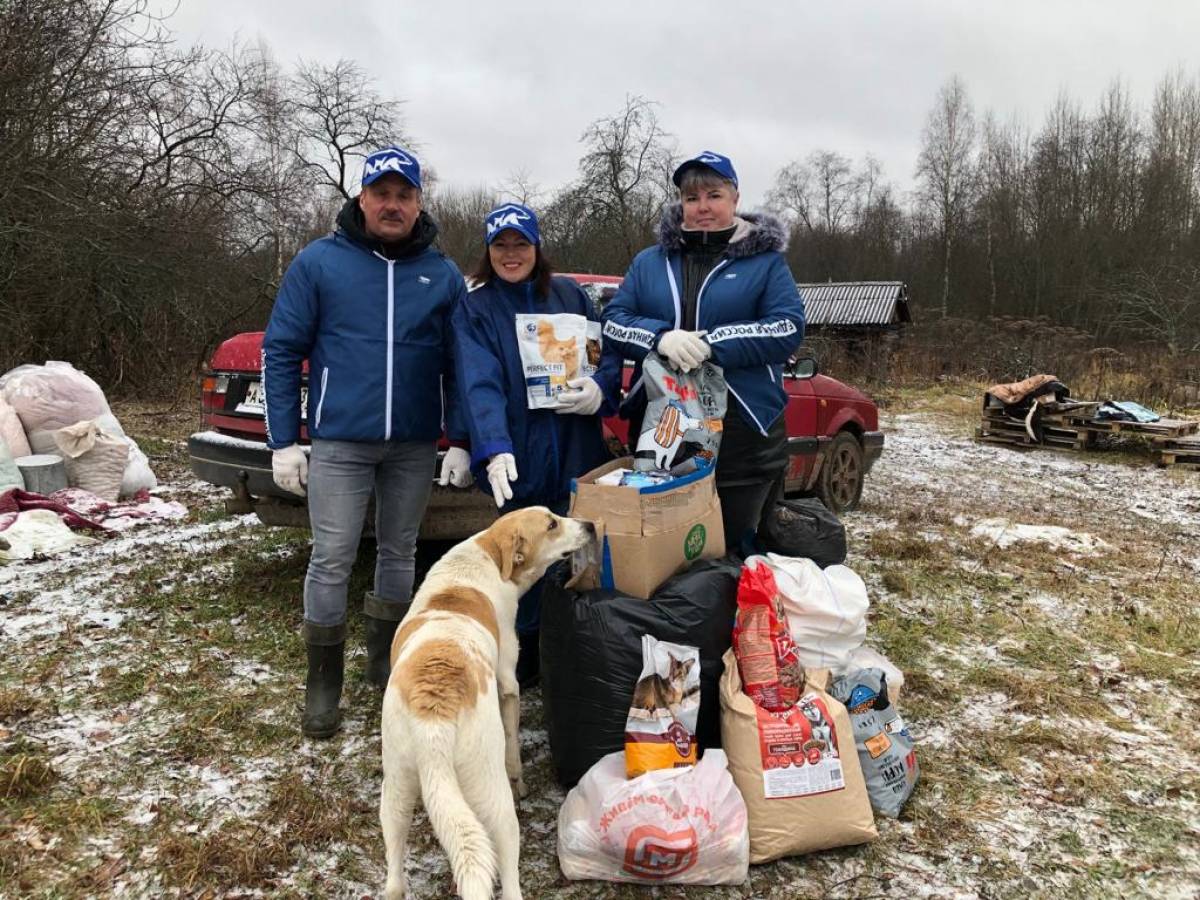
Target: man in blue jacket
369,307
717,286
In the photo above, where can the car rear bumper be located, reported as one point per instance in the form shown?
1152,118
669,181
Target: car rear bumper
872,442
245,468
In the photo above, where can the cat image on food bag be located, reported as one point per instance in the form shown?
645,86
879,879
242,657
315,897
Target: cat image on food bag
656,692
554,350
660,730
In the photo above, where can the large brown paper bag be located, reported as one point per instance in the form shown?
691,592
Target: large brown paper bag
806,760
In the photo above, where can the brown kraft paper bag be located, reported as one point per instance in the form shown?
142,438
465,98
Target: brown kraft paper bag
805,758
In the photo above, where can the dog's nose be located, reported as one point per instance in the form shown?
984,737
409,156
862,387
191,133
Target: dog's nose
589,528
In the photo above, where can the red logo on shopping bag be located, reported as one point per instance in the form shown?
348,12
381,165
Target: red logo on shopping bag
653,853
682,390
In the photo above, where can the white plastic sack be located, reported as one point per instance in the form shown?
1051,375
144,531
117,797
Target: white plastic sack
12,432
10,475
51,397
138,474
94,458
865,657
826,609
38,532
676,826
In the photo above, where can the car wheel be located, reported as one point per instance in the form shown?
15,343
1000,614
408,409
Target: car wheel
841,482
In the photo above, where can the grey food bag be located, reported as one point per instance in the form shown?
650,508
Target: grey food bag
684,414
885,747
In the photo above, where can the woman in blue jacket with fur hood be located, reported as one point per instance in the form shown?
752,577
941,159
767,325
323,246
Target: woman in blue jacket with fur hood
527,456
716,286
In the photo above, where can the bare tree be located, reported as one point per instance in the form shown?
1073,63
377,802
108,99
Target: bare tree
945,169
341,118
1161,305
625,171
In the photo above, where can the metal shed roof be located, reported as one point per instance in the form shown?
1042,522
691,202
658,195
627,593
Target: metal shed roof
855,303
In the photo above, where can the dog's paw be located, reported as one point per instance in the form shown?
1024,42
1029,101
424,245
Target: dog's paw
395,890
519,791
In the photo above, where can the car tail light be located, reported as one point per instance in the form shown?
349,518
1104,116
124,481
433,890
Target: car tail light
212,391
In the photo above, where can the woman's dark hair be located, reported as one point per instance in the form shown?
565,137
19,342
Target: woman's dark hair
540,276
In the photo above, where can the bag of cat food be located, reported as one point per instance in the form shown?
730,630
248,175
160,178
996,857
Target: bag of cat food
885,747
796,770
767,657
685,414
669,826
660,730
555,348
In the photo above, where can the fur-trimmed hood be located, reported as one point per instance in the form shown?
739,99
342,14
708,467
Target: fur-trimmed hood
757,232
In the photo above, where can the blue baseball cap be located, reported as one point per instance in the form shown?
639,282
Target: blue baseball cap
392,160
722,165
520,219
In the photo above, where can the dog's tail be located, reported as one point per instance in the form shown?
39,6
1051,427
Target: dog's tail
472,856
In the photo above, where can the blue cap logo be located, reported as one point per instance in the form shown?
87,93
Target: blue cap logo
520,219
722,165
392,160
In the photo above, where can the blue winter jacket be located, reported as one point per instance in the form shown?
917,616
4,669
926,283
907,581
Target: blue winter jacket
550,449
376,333
749,305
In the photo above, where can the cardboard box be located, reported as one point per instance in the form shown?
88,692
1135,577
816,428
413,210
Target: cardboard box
646,535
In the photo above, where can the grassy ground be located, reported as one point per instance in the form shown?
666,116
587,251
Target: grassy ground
150,689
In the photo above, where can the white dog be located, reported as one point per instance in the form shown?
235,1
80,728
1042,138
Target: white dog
451,710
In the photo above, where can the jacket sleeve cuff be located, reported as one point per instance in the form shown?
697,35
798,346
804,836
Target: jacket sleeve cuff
486,451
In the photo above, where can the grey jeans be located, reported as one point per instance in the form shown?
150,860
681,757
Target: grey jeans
341,477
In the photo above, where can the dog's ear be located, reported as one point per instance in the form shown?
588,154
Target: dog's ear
513,548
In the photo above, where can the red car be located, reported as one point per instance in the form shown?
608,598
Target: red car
833,439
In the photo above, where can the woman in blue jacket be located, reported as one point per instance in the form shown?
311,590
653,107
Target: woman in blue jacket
717,286
525,456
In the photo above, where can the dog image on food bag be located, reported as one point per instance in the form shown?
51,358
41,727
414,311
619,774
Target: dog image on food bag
451,710
660,730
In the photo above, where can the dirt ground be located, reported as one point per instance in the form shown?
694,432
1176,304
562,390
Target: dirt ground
1042,605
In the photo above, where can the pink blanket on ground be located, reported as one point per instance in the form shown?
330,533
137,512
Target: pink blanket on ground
80,509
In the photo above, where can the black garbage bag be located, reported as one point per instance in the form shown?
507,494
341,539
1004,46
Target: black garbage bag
805,528
591,648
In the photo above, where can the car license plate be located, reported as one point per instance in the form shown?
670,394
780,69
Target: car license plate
253,402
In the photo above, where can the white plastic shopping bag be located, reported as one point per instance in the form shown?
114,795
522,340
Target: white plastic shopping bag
673,826
826,609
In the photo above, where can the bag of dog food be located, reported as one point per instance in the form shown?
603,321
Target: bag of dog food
669,826
767,657
802,783
885,747
684,414
555,348
660,730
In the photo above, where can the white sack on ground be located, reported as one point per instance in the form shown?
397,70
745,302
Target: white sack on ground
95,459
826,609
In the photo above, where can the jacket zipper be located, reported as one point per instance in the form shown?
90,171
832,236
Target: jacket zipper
321,404
391,347
699,297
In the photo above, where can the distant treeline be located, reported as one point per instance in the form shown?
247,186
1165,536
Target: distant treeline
151,197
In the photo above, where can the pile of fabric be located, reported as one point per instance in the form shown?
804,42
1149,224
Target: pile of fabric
56,413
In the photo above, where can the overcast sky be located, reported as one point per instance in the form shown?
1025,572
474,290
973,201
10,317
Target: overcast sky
491,88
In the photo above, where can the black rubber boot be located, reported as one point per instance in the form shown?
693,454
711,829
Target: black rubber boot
528,659
323,687
380,620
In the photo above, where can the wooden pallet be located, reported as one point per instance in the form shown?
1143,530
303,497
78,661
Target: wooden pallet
989,434
1182,452
1163,428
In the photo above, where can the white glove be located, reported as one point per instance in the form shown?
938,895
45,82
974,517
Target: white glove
582,397
289,468
456,468
685,350
501,469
